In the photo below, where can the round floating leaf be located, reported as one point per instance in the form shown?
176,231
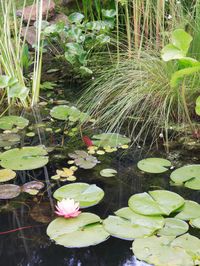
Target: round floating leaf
110,139
157,251
124,229
32,187
26,158
108,172
190,244
87,195
158,202
9,122
190,210
154,165
154,222
65,112
82,231
195,222
188,175
6,175
9,139
9,191
173,227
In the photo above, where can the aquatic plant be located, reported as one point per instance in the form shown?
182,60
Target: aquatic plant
67,208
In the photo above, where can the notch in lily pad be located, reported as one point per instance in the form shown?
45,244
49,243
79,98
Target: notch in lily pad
154,165
87,195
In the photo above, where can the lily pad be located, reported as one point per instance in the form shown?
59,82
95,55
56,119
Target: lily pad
190,210
195,222
82,231
9,139
157,202
173,227
110,139
6,175
71,113
158,251
32,187
9,191
124,229
83,159
10,122
108,172
87,195
154,165
187,175
154,222
26,158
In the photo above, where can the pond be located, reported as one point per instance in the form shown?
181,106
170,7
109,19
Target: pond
24,219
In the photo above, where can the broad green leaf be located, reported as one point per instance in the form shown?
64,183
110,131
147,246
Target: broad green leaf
76,17
110,139
87,195
181,39
26,158
154,222
9,122
4,80
158,251
124,229
173,227
18,91
154,165
108,13
195,222
190,210
171,52
82,231
197,108
6,175
158,202
9,191
103,39
187,175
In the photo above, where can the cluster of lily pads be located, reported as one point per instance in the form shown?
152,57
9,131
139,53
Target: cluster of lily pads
156,222
188,176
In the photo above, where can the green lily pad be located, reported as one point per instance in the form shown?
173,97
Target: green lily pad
158,251
71,113
154,222
9,191
26,158
154,165
10,122
157,202
190,210
9,139
173,227
110,139
108,172
190,244
195,222
124,229
6,175
82,231
187,175
87,195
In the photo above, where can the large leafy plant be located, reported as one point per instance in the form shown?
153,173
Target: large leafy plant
80,37
187,66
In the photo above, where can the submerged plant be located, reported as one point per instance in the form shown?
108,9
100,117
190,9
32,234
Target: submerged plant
67,208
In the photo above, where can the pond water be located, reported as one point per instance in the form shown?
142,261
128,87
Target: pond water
30,246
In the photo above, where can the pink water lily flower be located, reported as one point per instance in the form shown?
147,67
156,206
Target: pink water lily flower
67,208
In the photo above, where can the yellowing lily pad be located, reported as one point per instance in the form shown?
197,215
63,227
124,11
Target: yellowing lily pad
32,187
9,139
26,158
6,175
154,165
87,195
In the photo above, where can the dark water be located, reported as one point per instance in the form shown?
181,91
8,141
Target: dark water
31,246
